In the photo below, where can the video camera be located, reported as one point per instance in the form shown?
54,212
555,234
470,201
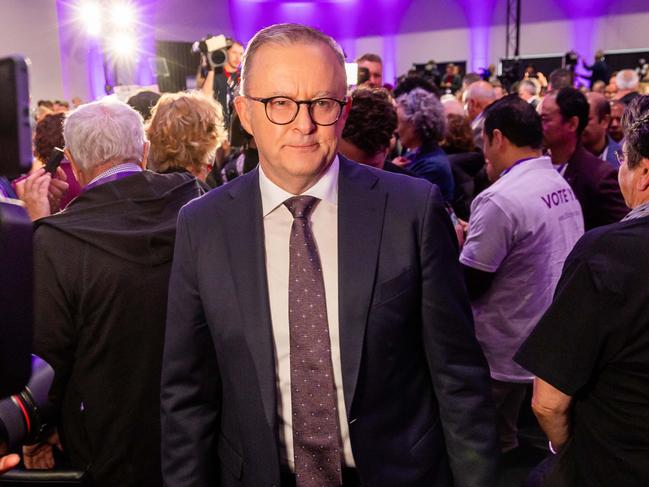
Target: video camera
511,74
570,60
428,71
27,417
214,49
16,304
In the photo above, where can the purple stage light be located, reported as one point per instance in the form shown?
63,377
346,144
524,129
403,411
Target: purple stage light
344,20
92,48
479,16
583,15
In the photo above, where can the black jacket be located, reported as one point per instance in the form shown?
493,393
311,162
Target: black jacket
102,269
595,185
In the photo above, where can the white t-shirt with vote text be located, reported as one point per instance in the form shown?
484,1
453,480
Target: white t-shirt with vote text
521,228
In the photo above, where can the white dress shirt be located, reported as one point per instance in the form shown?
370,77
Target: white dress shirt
277,231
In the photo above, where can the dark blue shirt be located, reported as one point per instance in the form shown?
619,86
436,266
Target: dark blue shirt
431,163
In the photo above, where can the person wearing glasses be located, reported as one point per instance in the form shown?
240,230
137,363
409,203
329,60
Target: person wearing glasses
590,351
318,329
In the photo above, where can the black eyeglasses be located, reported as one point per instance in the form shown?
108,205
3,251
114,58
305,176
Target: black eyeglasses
282,110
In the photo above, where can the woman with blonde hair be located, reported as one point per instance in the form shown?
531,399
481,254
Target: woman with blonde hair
185,130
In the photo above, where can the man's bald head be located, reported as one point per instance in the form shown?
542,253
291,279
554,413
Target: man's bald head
599,105
627,80
479,95
593,137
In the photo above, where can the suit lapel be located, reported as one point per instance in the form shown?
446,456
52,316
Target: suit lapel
573,169
248,259
361,208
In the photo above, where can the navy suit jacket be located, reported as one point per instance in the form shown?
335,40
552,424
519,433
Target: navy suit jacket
415,380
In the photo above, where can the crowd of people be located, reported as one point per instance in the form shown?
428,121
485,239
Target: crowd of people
265,288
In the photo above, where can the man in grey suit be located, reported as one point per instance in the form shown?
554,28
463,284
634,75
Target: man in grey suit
318,329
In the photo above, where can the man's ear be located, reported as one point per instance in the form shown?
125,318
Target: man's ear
573,123
643,180
242,105
145,155
606,120
75,168
346,109
497,138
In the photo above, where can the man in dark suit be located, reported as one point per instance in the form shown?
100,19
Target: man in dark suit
564,115
318,329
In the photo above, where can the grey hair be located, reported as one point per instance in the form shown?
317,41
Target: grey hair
425,112
636,131
627,79
481,91
286,35
103,131
532,87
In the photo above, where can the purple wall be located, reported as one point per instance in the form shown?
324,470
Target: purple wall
345,20
342,19
363,18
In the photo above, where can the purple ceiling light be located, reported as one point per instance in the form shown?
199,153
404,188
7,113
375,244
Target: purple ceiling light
95,36
582,14
479,16
344,20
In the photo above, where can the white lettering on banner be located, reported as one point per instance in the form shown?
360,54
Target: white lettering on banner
559,197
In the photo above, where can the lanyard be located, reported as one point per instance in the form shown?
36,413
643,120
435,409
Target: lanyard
561,169
520,161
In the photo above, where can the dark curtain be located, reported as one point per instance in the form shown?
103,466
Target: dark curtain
626,60
543,64
181,61
460,64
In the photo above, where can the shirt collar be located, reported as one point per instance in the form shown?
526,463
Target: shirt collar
638,212
326,188
126,167
530,162
477,120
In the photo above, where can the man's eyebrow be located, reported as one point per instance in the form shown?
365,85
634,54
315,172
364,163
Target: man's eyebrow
322,94
319,94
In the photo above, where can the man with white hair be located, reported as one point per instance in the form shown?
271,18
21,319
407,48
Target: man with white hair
477,97
628,84
101,273
529,90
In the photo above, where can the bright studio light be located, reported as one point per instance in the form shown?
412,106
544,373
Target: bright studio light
122,46
352,73
90,16
123,14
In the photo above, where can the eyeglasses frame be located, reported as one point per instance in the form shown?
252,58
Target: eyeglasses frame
309,104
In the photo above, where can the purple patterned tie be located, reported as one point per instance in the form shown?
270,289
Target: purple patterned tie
316,440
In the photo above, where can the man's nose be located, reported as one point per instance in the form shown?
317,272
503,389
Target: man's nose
303,121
